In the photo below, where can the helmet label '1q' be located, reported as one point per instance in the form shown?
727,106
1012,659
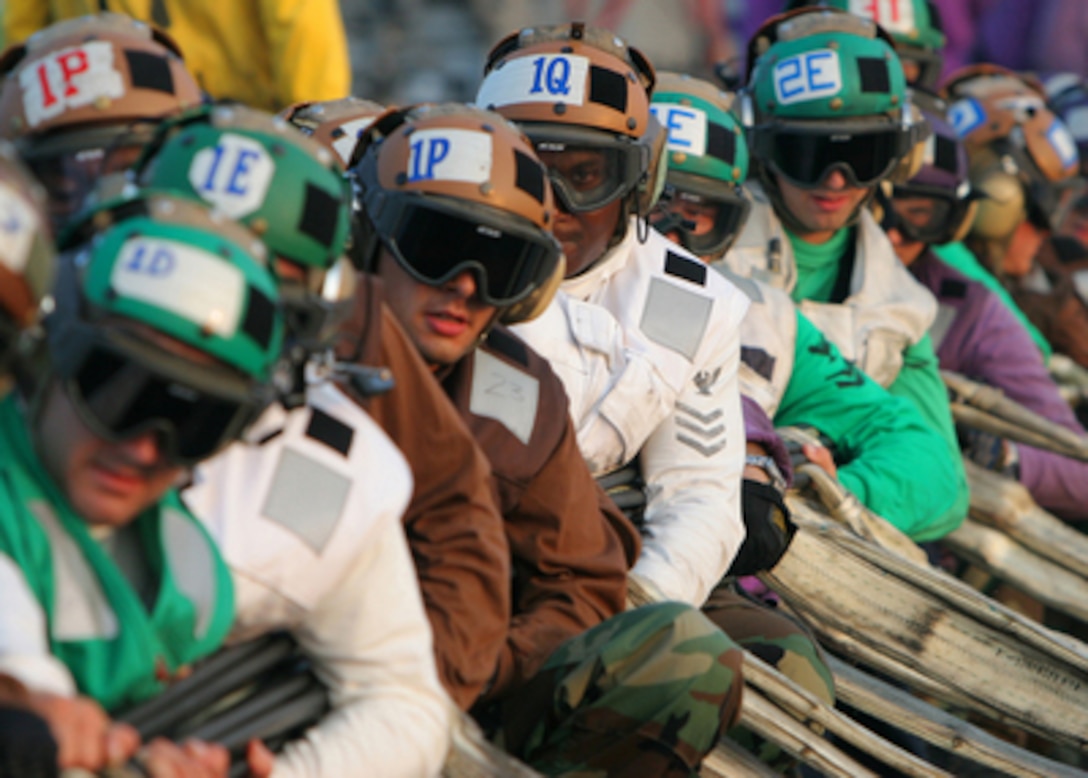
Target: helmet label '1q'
186,281
548,78
811,75
233,175
892,15
686,127
69,78
18,226
449,155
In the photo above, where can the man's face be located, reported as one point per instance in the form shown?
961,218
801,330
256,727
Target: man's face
699,217
69,178
584,236
107,483
445,322
1020,255
824,209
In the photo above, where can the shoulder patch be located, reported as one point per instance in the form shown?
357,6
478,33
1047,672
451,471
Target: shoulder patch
688,269
331,431
759,360
953,289
508,345
306,498
504,393
675,318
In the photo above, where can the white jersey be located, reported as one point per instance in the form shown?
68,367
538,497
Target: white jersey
308,518
886,311
681,319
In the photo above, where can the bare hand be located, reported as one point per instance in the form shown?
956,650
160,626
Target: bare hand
260,759
821,456
85,735
192,759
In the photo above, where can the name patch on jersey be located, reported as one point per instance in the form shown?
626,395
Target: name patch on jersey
18,225
548,78
189,282
966,115
505,394
234,175
686,127
813,75
892,15
675,318
306,498
70,78
449,155
345,144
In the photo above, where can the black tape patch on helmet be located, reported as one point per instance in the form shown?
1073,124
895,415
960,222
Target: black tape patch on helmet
874,74
260,318
607,88
721,143
759,360
530,176
318,219
332,432
150,71
944,154
688,269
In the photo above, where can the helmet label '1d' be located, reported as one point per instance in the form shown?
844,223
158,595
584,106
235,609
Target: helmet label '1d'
186,281
686,127
892,15
69,78
548,78
18,226
449,155
233,175
812,75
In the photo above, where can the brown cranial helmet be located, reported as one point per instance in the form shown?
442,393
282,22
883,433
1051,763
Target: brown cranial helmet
337,124
81,96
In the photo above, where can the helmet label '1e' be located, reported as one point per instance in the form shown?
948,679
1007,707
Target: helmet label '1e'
548,78
449,155
186,281
233,175
686,127
812,75
70,78
892,15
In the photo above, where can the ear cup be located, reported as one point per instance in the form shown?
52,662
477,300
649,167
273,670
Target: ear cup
964,227
653,183
1003,206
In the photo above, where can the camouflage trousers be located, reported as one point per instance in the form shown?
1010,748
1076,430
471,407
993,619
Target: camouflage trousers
781,642
647,693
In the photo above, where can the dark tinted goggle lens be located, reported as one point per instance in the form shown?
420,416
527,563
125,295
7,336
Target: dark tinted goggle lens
508,266
806,159
120,398
587,178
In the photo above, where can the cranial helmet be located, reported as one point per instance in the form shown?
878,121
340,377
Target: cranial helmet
707,160
448,188
576,87
337,124
1067,96
81,95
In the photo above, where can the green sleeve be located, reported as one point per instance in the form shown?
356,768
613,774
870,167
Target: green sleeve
959,257
920,382
886,453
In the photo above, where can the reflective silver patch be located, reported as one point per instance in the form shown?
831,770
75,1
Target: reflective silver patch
675,318
504,393
192,565
307,498
938,331
80,608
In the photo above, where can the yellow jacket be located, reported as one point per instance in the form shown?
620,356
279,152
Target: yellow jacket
266,53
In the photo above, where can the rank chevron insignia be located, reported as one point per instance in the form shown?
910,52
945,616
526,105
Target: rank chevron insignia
707,432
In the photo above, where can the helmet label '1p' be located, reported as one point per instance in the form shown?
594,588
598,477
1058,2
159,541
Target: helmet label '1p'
685,124
892,15
233,175
18,226
449,155
69,78
189,282
548,78
811,75
1063,142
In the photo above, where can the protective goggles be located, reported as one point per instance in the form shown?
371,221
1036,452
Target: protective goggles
434,243
589,169
705,226
929,214
805,159
119,397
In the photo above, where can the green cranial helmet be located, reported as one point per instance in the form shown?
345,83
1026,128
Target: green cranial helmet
707,157
168,319
914,26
